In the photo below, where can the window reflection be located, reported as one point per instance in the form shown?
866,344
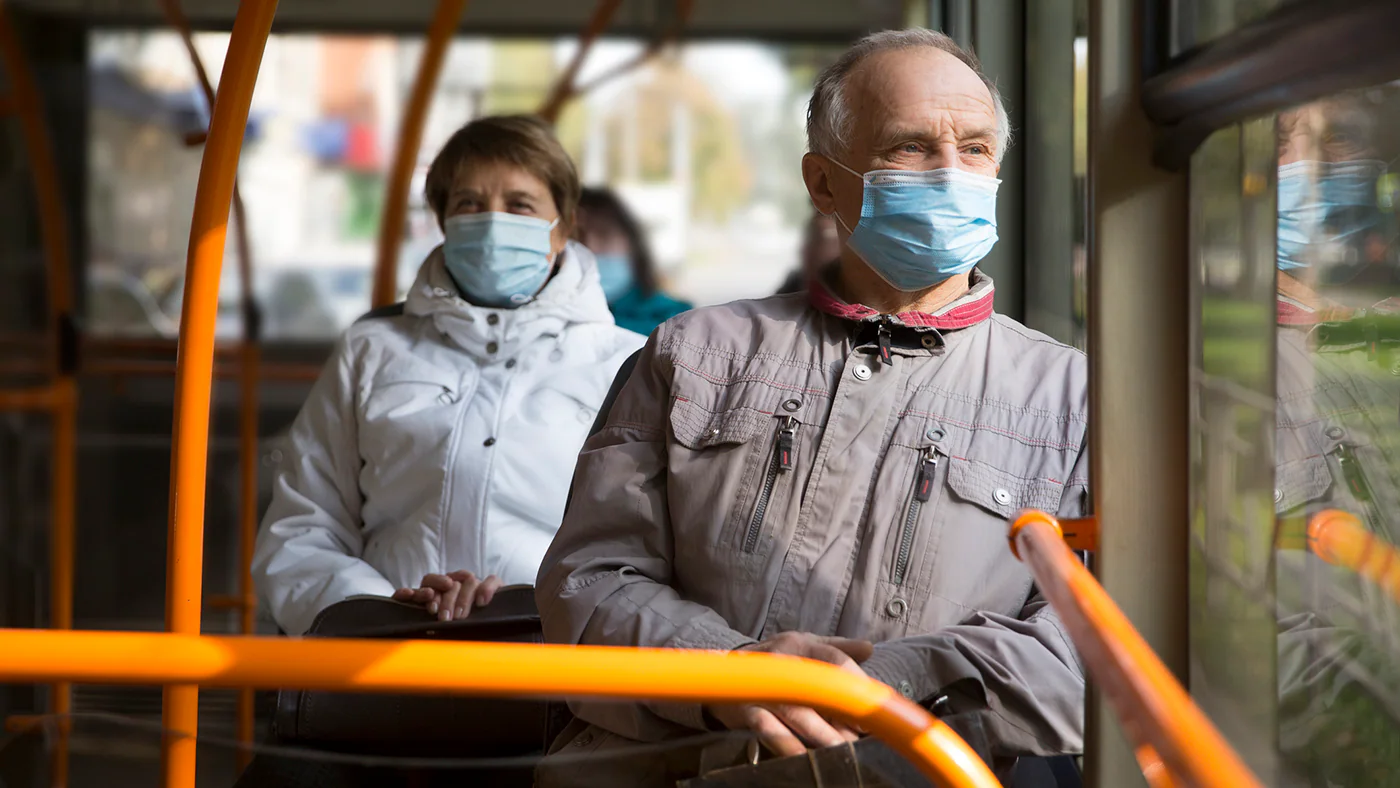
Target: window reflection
1338,421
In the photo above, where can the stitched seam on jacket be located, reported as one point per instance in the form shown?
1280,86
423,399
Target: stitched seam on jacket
1042,443
751,379
1074,417
764,355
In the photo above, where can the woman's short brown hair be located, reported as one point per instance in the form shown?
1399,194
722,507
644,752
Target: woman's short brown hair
522,140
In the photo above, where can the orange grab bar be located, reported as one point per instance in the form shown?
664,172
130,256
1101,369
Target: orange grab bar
440,32
564,87
498,670
1151,704
1339,538
194,374
62,396
249,359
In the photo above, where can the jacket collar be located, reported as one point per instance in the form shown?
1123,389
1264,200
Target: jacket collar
967,310
572,296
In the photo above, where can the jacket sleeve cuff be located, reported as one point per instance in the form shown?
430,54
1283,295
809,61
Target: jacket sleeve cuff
910,671
705,636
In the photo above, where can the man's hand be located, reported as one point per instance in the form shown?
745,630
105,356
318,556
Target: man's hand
452,595
788,730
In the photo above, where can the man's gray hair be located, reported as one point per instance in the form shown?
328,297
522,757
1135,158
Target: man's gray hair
829,117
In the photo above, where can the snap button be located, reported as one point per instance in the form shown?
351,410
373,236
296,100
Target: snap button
896,607
584,740
445,397
493,319
489,442
792,405
1334,432
510,364
492,347
934,434
1001,496
929,340
714,432
906,689
1278,495
584,416
273,457
862,372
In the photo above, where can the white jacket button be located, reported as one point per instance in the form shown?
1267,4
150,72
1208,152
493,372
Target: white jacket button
862,372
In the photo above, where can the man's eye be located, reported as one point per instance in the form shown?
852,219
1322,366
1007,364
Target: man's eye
911,147
978,150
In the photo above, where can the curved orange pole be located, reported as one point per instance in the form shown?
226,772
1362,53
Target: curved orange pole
62,394
1155,711
499,670
386,266
1339,538
249,360
195,370
564,87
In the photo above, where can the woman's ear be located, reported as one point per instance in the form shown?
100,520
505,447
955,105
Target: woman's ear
559,238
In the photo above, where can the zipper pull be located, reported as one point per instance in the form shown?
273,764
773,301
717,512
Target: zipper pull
883,336
923,485
787,439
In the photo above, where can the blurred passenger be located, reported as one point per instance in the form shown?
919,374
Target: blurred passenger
820,248
432,458
625,264
829,475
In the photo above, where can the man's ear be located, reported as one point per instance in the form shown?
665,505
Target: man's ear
814,174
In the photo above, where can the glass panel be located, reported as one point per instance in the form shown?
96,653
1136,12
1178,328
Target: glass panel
703,147
1202,21
1294,617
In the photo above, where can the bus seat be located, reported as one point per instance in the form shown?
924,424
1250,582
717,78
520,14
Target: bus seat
422,725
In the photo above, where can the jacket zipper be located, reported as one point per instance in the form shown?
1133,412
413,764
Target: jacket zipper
923,490
784,454
882,338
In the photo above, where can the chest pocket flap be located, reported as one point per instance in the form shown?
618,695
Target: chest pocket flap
1000,491
1300,482
695,427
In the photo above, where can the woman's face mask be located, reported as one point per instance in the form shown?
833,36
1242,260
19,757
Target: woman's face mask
498,259
1324,209
917,229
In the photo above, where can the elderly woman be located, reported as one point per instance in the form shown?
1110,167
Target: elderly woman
431,460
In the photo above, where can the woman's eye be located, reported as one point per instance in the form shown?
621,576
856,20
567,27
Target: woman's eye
522,207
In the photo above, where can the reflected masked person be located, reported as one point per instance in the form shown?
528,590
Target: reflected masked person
625,263
432,458
829,474
1338,418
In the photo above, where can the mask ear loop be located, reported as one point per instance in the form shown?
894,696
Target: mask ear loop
835,213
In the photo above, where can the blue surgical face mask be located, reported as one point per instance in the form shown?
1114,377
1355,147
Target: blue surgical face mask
615,272
1324,208
917,229
498,259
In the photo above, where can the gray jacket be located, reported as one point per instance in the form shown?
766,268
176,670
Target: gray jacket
768,468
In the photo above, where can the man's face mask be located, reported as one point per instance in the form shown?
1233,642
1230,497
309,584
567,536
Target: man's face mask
498,259
1324,210
917,229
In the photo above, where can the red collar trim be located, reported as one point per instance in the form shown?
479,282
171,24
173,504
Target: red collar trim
1291,314
971,308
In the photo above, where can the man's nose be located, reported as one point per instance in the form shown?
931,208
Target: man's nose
943,156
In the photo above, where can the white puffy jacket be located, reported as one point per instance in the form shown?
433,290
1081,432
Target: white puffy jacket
438,440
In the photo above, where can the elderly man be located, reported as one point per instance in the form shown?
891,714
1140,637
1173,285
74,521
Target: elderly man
813,474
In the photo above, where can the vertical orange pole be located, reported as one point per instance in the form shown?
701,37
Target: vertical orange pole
24,100
386,268
195,368
249,359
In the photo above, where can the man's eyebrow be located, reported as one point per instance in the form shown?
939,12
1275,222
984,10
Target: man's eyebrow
984,132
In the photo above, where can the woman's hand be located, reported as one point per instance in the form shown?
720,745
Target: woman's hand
451,596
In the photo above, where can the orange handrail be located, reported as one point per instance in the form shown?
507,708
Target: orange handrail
564,87
1339,538
386,267
249,359
1154,709
499,670
194,375
62,394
